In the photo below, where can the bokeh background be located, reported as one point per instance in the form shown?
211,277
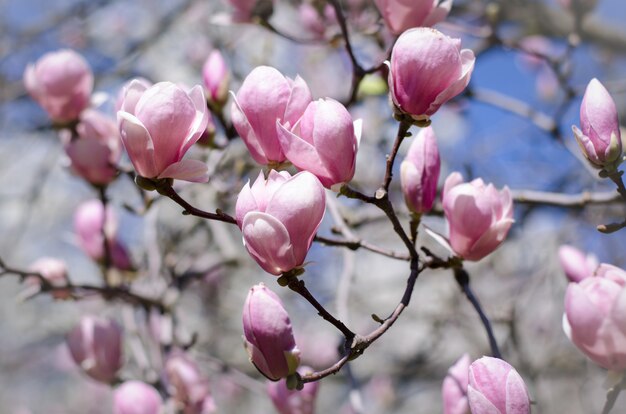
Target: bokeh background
521,286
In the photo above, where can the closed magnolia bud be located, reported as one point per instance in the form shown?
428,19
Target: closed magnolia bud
454,387
288,401
479,216
54,271
96,346
136,397
495,387
595,317
279,217
427,69
216,77
187,385
419,172
160,127
323,142
599,139
61,82
267,99
95,153
89,221
268,334
401,15
576,264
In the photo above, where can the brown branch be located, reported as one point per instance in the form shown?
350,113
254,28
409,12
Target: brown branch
357,244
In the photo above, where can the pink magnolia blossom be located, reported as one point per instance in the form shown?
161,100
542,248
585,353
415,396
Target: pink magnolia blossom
288,401
61,82
188,386
427,69
454,387
600,139
279,218
89,220
576,264
323,142
216,77
97,150
479,216
419,172
401,15
316,20
495,387
595,317
268,334
136,397
54,271
160,127
267,98
96,346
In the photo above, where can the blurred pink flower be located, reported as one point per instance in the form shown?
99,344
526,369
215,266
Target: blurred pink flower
61,82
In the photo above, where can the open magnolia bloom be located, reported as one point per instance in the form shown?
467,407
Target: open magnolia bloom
279,217
427,69
479,216
158,125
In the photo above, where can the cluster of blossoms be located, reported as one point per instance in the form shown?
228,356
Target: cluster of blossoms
280,213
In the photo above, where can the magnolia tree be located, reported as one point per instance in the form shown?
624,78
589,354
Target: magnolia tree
332,215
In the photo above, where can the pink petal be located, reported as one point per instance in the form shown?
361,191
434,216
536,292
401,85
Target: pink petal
187,170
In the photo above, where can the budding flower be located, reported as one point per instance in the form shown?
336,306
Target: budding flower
279,217
576,264
288,401
401,15
188,386
61,82
600,139
96,346
136,397
454,387
268,335
216,77
594,318
158,125
323,142
54,271
96,151
479,216
419,172
495,387
267,99
427,69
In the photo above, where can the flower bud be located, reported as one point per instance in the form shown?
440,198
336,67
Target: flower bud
279,218
594,318
267,99
268,334
427,69
419,172
479,216
323,142
136,397
54,271
187,385
216,77
89,220
600,139
95,153
495,387
96,346
288,401
576,265
454,387
159,128
61,82
401,15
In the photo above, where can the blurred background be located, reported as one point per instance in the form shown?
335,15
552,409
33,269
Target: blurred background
513,128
